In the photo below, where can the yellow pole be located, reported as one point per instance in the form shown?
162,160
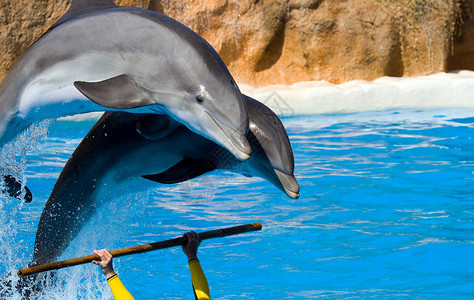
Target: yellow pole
139,249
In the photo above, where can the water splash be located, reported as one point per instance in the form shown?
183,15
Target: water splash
13,155
13,161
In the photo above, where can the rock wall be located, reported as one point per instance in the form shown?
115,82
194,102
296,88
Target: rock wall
462,54
23,21
285,41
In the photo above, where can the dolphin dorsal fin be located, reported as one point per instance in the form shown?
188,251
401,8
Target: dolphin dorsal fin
80,7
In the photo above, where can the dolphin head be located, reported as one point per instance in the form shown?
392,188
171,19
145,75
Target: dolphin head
219,115
272,156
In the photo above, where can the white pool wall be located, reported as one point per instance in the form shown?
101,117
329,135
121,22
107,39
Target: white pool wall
442,90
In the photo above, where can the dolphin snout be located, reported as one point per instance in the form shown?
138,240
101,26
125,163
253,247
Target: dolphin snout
234,141
289,183
241,144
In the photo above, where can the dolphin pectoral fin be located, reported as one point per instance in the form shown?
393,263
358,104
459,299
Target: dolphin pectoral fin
154,127
13,188
186,169
120,92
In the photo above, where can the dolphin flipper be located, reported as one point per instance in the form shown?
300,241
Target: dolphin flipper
13,188
186,169
119,92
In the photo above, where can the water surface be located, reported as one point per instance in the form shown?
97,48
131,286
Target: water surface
386,211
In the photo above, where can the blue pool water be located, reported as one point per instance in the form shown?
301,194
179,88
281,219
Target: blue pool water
386,211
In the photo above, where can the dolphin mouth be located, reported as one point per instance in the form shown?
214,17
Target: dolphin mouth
241,148
291,194
289,183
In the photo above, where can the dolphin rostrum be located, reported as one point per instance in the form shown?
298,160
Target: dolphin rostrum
128,59
123,147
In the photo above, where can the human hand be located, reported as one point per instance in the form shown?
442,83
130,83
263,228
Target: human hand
105,262
191,245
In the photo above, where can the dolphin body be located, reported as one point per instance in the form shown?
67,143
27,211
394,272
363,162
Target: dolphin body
123,146
126,59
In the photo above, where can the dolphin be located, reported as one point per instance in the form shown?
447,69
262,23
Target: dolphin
123,147
128,59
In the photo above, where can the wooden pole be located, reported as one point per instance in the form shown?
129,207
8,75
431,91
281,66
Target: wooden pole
139,249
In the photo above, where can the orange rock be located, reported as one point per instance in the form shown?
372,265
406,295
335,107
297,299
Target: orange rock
462,56
282,42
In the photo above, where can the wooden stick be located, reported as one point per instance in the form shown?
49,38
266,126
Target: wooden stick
139,249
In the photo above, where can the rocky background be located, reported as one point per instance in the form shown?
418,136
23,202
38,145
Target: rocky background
267,42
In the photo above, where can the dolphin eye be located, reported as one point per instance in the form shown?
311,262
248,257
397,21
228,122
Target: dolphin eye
199,99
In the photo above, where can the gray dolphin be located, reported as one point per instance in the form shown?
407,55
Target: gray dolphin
123,146
127,59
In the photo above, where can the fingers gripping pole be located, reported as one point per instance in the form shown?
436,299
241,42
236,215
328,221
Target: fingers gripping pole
223,232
